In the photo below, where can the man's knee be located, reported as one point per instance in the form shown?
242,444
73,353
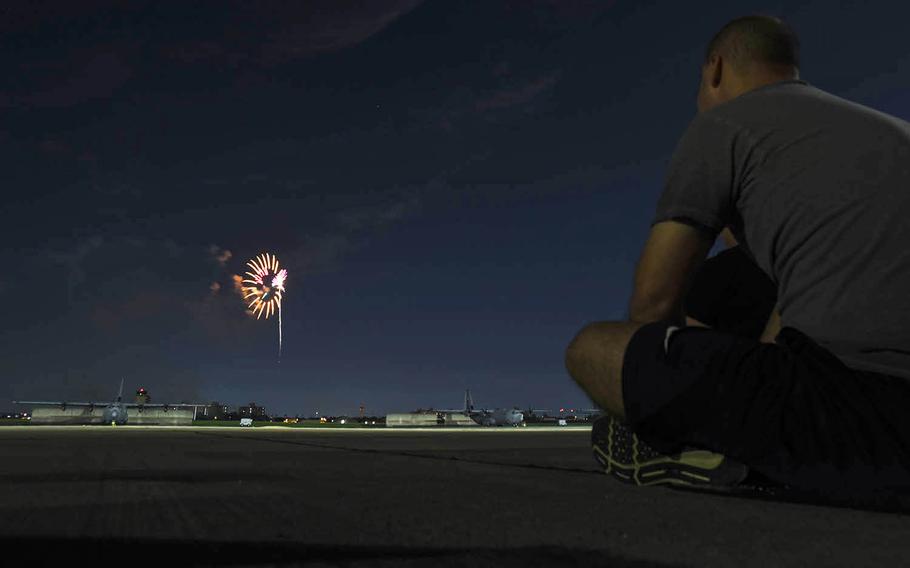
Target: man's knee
600,340
594,359
588,352
580,349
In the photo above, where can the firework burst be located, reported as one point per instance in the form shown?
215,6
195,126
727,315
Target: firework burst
263,288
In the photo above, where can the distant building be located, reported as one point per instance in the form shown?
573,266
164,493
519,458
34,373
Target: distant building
95,415
213,411
457,419
428,418
253,411
413,419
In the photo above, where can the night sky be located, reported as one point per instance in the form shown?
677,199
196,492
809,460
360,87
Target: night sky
454,187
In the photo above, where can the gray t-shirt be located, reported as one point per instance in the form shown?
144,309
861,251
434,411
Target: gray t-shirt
817,190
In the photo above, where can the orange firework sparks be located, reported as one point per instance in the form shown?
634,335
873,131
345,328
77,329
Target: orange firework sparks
263,288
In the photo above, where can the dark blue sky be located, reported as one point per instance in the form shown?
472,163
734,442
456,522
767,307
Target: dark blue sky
454,187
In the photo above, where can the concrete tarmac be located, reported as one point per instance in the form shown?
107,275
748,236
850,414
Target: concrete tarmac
377,497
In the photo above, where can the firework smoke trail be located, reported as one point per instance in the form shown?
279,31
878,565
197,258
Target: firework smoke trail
278,283
264,287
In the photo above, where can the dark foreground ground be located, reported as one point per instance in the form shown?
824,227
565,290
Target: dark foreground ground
501,497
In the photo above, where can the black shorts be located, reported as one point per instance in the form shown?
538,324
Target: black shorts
791,410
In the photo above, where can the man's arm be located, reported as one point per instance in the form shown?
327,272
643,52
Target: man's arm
672,255
772,328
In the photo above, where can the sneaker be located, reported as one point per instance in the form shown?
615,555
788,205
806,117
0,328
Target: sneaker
627,458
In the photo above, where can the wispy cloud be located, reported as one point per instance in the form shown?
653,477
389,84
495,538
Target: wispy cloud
65,71
352,229
518,94
80,77
374,216
257,178
510,93
293,32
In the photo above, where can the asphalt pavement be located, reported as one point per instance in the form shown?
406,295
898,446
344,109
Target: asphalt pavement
377,497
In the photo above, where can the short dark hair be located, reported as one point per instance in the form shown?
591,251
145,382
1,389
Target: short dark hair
757,39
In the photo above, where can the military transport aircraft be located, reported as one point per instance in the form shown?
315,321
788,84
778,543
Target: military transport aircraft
494,417
115,413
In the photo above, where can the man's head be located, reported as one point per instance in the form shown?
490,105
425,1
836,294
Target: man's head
745,54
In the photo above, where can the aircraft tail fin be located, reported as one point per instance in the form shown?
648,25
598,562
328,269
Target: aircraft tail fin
120,394
468,402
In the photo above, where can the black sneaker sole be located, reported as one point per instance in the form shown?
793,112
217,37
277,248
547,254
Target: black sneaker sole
627,458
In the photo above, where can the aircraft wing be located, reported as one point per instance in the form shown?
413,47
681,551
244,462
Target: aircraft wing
58,403
137,405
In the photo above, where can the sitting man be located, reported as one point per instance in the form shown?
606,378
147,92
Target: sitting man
816,191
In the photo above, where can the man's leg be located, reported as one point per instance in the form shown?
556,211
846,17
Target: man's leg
595,357
598,358
595,360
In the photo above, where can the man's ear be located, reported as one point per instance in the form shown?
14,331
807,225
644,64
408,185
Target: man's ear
716,71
